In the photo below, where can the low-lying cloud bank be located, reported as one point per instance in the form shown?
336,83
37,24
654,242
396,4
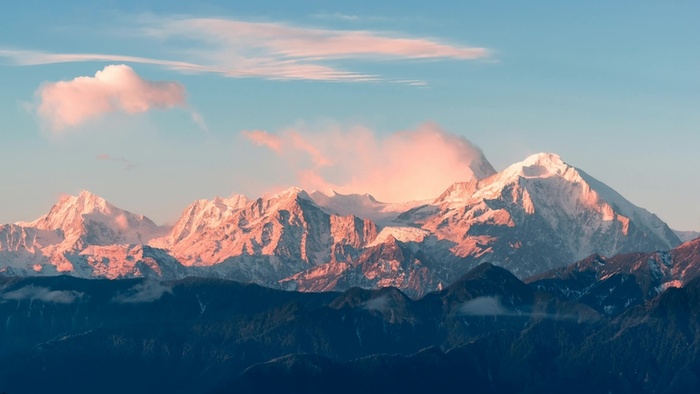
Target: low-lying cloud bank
492,306
36,293
146,291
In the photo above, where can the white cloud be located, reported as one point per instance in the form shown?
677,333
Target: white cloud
336,16
43,294
484,306
380,303
146,291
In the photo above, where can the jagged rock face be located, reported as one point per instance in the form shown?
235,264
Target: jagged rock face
85,236
535,215
15,238
387,264
265,240
363,206
203,214
88,219
614,284
126,261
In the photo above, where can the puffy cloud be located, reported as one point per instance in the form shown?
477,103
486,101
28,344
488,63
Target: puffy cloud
117,88
406,165
43,294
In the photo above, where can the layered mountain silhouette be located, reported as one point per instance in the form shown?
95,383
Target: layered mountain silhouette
488,331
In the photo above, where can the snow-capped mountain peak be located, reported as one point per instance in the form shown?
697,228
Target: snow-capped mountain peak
558,209
236,201
203,214
70,209
537,166
291,192
542,165
88,219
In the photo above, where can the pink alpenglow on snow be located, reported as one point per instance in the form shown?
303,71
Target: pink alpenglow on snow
407,165
117,88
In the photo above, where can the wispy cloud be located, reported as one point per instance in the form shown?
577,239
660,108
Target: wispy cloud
33,58
128,165
283,41
492,306
336,16
43,294
380,303
406,165
118,88
263,138
339,16
485,306
411,82
236,48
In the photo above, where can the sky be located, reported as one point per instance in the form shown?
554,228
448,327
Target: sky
153,104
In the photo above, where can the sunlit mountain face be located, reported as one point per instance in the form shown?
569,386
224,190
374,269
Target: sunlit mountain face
534,216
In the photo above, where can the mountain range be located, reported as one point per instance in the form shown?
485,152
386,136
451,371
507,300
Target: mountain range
536,215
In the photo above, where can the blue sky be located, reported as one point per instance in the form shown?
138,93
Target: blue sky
612,87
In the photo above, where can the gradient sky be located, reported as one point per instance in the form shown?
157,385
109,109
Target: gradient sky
612,87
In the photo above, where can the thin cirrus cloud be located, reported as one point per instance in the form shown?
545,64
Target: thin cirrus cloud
338,16
269,50
405,165
116,88
128,165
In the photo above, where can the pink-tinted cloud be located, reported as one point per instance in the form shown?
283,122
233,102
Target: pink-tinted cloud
241,67
311,43
406,165
278,51
116,88
263,138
